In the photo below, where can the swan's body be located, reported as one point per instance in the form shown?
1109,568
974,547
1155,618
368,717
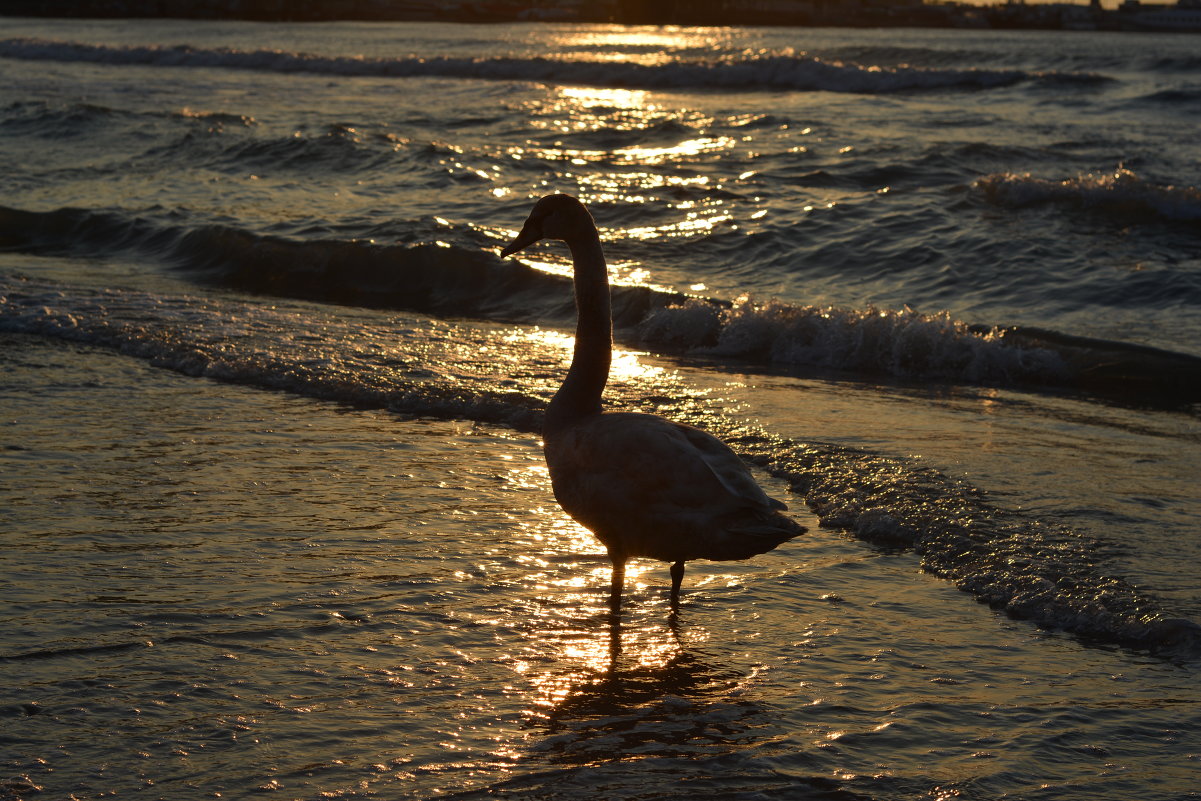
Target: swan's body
645,486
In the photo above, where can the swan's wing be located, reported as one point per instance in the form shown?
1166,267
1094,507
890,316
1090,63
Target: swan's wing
644,461
727,467
649,487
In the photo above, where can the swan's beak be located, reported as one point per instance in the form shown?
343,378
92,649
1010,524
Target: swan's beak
530,234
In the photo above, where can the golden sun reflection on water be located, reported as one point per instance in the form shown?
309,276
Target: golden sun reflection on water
568,109
572,664
634,186
641,45
634,148
645,155
570,645
694,222
628,366
590,98
697,146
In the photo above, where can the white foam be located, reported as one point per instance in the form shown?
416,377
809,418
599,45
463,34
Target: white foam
901,343
783,71
1121,191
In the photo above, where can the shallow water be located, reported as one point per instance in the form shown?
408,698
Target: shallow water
233,589
273,511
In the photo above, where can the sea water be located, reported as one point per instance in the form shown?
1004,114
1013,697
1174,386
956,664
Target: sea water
274,513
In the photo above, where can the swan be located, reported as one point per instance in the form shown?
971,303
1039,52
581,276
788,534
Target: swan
644,485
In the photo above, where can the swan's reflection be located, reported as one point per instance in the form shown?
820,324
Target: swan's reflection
669,703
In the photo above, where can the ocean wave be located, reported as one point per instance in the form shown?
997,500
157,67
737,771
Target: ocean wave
769,72
1121,193
429,276
1174,63
338,148
1185,98
223,141
77,119
467,281
904,344
899,54
262,346
1031,570
1034,571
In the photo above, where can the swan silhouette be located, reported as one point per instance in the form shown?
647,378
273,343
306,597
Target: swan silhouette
645,486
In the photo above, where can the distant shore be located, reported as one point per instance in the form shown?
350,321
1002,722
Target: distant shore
1133,15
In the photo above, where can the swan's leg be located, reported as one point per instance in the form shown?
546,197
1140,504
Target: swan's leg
677,576
619,579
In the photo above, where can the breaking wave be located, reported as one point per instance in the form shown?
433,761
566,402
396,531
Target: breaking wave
1121,192
767,72
469,281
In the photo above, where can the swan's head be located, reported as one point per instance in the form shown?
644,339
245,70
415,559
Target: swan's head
553,217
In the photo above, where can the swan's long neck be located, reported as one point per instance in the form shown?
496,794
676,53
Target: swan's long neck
580,394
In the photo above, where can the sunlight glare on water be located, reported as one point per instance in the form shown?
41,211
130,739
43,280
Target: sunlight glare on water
628,369
640,45
590,108
635,187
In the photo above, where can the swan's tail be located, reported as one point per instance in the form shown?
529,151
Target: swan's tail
753,531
